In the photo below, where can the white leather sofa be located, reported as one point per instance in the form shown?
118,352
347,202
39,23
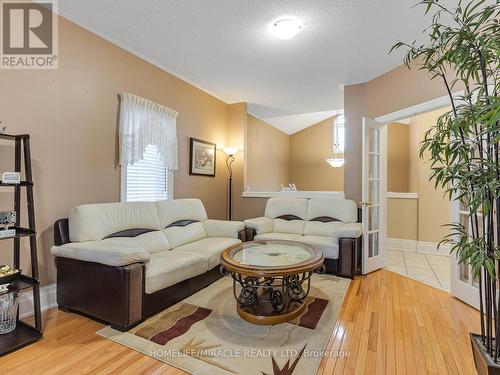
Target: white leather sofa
327,223
154,253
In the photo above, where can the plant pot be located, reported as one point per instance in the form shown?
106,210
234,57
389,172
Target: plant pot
483,361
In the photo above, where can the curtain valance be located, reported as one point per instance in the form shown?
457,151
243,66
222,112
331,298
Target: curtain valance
143,123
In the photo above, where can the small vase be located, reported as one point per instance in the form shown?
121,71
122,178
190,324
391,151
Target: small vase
9,303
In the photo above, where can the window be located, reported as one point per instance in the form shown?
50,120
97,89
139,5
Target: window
339,134
148,149
147,179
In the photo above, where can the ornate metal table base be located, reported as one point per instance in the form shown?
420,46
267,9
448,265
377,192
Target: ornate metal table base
271,279
271,300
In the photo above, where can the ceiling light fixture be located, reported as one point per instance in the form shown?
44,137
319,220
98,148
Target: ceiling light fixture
335,163
285,28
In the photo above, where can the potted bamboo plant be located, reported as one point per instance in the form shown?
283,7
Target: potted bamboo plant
462,49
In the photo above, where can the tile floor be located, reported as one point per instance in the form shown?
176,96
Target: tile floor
430,269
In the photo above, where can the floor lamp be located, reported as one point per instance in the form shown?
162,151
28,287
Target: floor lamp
230,152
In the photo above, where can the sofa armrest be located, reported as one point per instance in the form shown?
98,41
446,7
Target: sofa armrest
349,230
111,294
260,224
223,228
61,232
108,253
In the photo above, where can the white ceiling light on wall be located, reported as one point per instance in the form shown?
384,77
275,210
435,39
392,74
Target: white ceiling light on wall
286,27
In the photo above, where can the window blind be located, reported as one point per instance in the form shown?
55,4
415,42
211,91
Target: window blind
146,180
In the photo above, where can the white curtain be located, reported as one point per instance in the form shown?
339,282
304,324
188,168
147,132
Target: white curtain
143,123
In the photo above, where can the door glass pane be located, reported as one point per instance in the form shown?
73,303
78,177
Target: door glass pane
373,214
374,192
374,140
373,244
374,166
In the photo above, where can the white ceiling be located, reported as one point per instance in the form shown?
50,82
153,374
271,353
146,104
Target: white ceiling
224,47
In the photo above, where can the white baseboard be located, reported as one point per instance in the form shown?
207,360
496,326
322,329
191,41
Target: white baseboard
48,300
432,248
416,246
400,244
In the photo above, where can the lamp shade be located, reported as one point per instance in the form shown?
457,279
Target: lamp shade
335,163
230,151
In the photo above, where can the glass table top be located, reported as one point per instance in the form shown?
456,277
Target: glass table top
272,254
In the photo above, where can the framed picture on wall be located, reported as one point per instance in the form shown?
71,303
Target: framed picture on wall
202,158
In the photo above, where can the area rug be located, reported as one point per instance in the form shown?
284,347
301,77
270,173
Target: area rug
204,335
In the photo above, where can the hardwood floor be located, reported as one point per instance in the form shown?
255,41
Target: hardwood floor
388,323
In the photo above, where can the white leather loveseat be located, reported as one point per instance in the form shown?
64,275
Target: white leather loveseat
328,223
121,262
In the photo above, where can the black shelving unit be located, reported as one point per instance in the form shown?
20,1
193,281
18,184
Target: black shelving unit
24,333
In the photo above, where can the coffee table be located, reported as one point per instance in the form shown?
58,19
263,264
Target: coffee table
271,279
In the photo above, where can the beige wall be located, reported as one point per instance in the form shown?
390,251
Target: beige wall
402,218
398,157
414,159
71,114
268,156
395,90
274,158
243,208
309,150
420,219
354,110
434,208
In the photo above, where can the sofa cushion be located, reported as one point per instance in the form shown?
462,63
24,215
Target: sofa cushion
322,229
103,252
180,235
327,245
350,230
153,241
209,248
223,228
342,209
289,226
279,206
167,268
93,222
261,224
175,210
278,236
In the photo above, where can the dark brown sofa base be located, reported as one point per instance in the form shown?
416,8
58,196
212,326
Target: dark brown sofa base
161,299
110,294
115,295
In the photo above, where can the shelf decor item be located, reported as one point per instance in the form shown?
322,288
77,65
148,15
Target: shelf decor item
202,158
9,303
7,219
11,178
17,333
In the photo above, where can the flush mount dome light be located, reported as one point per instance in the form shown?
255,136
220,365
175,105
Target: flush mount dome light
285,28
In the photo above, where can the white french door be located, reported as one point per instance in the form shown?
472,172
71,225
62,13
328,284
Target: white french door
462,284
374,169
